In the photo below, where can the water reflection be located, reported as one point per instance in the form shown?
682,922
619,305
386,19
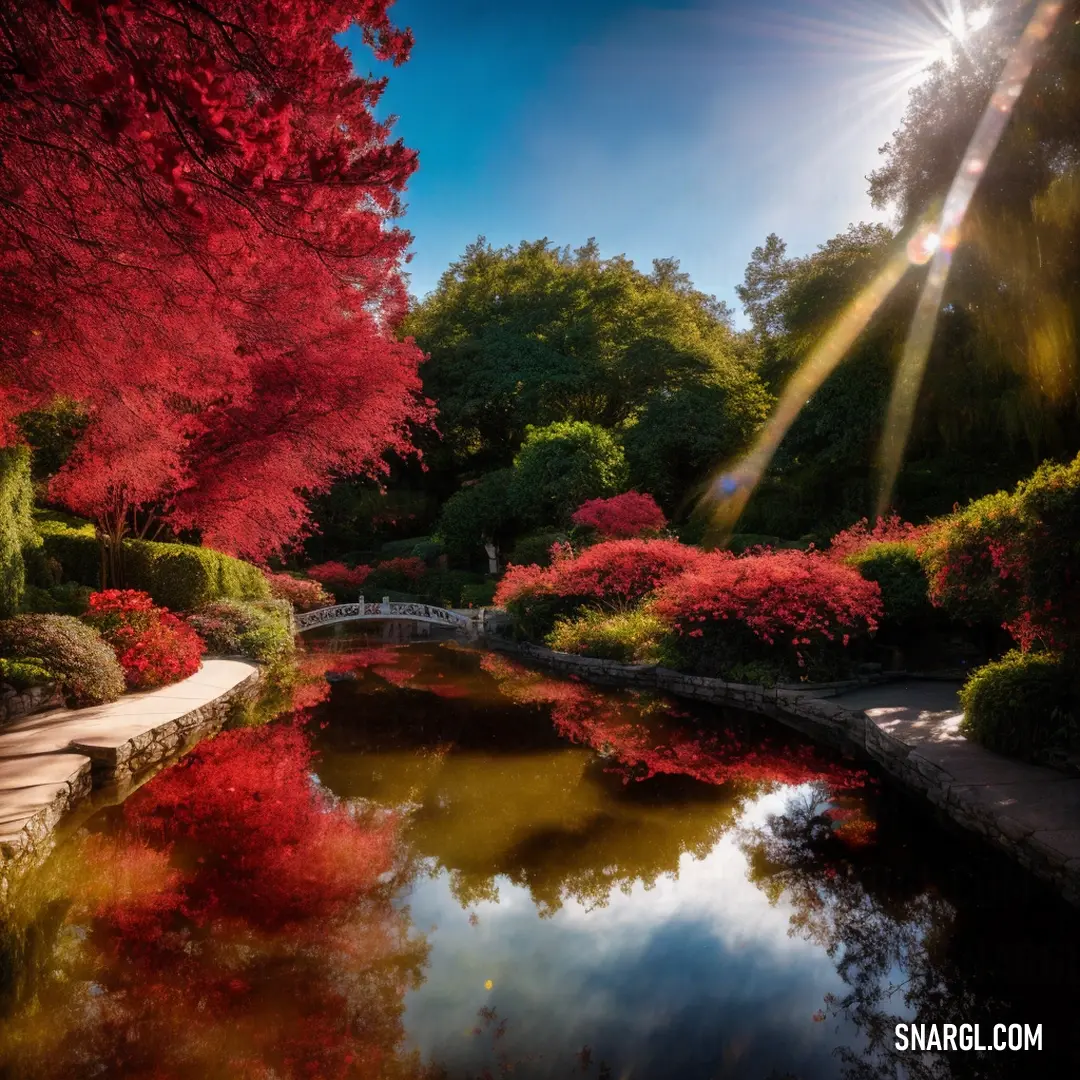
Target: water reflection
449,865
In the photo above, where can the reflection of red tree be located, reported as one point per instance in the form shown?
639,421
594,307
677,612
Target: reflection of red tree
236,928
638,734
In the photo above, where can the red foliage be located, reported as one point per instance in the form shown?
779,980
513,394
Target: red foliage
269,846
644,742
338,576
154,646
622,516
614,573
787,597
197,246
885,530
302,594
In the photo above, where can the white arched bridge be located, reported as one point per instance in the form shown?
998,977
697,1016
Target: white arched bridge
470,622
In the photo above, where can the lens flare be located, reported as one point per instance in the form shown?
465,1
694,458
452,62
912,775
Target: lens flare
980,149
730,490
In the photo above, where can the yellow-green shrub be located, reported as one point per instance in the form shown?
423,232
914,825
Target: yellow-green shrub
16,525
630,637
182,577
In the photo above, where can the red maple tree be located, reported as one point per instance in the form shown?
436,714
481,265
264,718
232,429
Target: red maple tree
196,243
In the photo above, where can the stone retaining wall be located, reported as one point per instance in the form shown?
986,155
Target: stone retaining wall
15,705
806,709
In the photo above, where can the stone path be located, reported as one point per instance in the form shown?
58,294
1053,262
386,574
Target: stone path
913,730
50,760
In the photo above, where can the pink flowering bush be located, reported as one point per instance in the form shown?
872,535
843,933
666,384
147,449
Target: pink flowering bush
612,576
303,594
153,646
797,609
340,579
890,530
622,516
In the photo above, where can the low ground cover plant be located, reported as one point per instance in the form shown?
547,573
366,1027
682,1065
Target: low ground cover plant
154,647
631,637
84,665
260,630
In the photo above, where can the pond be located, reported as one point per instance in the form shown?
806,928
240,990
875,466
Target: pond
445,864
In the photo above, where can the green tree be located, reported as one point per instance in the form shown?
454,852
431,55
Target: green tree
477,514
561,466
16,525
536,335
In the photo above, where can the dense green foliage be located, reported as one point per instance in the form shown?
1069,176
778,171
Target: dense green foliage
1013,558
1024,705
536,335
534,549
896,567
67,598
85,667
73,544
181,577
16,525
22,674
476,513
630,637
561,466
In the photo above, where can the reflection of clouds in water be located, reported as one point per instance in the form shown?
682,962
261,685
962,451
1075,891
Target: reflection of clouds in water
702,957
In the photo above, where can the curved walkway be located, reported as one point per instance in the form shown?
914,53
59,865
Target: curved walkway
51,760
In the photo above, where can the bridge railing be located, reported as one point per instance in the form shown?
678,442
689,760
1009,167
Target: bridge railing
387,609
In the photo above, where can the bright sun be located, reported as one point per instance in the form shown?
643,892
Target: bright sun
959,25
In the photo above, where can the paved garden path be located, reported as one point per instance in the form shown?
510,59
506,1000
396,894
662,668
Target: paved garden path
46,759
1032,809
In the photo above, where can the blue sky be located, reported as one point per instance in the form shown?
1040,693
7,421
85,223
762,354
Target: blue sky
685,128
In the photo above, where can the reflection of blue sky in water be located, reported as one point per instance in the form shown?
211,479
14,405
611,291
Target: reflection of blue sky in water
700,967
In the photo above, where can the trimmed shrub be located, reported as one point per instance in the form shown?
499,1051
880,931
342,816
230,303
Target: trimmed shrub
85,666
260,630
400,574
560,466
428,550
154,646
70,598
446,588
534,549
23,674
630,637
622,516
797,609
181,577
402,549
1013,558
16,525
480,594
71,541
896,567
1023,705
302,593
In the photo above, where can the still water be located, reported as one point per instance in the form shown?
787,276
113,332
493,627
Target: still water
444,864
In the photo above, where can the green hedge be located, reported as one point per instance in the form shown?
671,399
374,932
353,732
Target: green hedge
72,543
182,577
16,525
1023,705
895,566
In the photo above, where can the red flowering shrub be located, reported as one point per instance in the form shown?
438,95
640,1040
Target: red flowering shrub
304,595
1013,559
613,575
796,607
339,578
621,516
400,574
154,646
890,530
